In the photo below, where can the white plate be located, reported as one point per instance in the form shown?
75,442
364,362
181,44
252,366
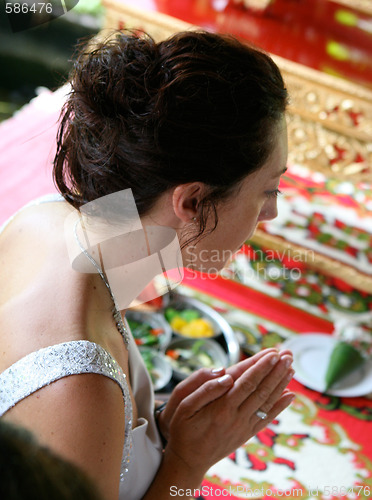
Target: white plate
311,353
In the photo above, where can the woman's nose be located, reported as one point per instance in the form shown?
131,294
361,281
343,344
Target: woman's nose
269,211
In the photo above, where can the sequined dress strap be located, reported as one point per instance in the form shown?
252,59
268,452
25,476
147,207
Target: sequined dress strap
42,367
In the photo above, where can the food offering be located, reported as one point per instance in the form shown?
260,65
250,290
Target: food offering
158,366
325,364
189,323
344,359
191,318
187,333
255,336
149,329
352,349
188,355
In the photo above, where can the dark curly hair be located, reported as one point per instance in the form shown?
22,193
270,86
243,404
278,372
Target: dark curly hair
149,116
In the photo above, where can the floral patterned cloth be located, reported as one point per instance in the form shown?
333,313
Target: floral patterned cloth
318,448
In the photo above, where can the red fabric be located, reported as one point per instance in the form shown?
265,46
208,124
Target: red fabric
257,302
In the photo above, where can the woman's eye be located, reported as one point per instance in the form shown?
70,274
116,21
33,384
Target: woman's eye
273,194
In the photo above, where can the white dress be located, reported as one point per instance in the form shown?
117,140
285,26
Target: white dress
142,447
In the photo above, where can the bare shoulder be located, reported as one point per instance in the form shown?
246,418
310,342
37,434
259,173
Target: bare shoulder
29,240
80,417
37,304
35,216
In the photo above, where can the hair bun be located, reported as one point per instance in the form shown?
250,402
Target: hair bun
149,116
114,76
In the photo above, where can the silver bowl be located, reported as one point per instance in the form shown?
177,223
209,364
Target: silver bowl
220,325
188,363
161,371
155,320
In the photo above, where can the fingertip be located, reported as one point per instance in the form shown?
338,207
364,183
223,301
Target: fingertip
225,380
291,396
287,360
217,372
286,352
274,358
269,350
263,353
288,397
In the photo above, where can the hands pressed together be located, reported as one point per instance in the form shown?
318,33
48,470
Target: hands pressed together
212,413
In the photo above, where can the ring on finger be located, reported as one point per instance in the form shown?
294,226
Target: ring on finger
261,414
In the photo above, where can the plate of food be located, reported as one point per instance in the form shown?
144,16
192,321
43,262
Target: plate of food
158,366
190,318
148,328
312,353
188,355
187,318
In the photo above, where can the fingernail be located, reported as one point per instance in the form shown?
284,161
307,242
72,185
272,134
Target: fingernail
274,359
225,380
288,362
216,371
292,398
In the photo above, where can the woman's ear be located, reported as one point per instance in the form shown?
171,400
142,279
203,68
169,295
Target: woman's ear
186,200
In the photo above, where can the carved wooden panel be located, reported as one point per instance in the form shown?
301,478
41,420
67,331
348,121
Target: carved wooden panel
330,123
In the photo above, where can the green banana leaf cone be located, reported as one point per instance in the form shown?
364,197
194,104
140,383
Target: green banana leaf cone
343,361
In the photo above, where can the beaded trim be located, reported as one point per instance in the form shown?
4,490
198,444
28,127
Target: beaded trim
40,368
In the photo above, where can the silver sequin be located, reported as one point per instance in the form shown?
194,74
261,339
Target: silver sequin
42,367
